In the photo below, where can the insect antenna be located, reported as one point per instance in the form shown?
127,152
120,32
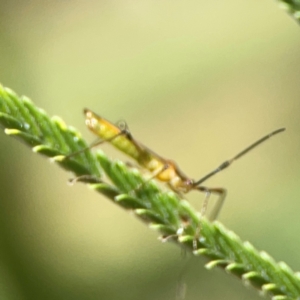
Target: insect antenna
227,163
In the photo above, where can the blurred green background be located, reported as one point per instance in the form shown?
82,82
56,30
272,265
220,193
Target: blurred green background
197,81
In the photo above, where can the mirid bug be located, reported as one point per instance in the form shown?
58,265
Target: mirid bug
162,169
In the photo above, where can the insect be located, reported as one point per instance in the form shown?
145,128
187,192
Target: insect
162,169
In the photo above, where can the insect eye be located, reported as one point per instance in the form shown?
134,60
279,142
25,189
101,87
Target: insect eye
122,125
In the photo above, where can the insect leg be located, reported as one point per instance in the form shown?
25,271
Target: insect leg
153,175
95,144
85,179
90,178
221,192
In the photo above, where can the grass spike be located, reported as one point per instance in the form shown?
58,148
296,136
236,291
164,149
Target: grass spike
163,211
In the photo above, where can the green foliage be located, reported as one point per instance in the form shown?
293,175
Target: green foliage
292,7
164,211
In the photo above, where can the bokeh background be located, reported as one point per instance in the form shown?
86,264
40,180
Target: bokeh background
197,81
